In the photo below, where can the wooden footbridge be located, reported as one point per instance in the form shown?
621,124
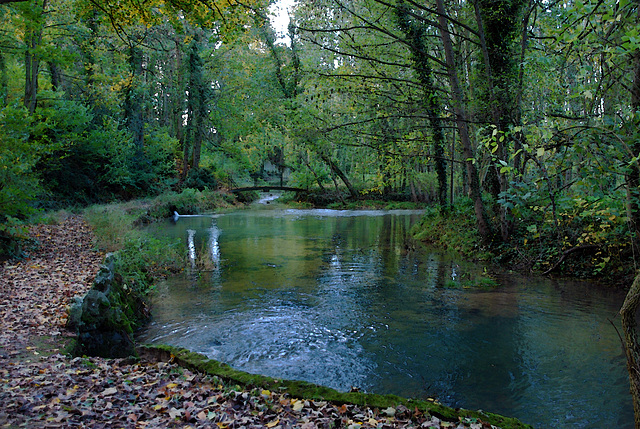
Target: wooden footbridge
268,188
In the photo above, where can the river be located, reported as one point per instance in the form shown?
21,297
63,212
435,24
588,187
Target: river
343,299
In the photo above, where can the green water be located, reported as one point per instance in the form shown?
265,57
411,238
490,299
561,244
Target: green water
343,299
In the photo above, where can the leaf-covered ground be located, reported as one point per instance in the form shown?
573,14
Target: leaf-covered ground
40,387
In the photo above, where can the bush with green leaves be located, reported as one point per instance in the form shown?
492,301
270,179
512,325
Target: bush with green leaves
63,155
200,179
103,163
19,185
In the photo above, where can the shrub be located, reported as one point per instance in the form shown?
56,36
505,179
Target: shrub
19,183
200,179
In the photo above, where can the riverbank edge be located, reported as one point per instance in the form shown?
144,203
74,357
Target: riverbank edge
309,391
608,262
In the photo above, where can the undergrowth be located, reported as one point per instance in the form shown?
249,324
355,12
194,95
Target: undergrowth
453,230
584,240
141,256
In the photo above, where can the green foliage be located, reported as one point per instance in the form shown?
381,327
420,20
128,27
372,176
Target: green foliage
305,179
477,282
200,179
597,224
18,157
189,201
247,197
94,163
143,258
375,205
61,126
111,224
453,230
114,224
19,185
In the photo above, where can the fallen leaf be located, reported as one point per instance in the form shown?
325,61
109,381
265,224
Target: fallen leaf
390,411
297,405
110,391
174,413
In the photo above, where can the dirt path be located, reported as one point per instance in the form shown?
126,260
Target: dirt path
40,387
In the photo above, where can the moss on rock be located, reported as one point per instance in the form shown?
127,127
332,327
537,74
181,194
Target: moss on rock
105,318
302,389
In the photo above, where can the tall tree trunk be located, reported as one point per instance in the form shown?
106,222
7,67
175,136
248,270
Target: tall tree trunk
4,82
632,350
484,228
492,182
197,102
498,24
630,305
88,52
56,76
304,157
133,104
415,35
33,39
197,148
177,103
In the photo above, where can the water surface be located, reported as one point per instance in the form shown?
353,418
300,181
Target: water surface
343,299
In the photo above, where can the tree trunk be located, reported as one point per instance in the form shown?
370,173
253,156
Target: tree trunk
415,35
304,157
133,105
197,102
4,82
88,52
31,79
197,149
33,39
482,222
632,350
56,76
498,24
337,171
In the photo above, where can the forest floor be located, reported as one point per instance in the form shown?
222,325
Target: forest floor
42,387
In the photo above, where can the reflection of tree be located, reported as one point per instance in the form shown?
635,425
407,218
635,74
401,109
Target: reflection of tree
191,247
490,365
203,250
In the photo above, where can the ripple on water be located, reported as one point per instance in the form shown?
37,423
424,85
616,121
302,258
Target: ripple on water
280,341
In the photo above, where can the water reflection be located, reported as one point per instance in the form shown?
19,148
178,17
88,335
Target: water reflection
203,253
344,300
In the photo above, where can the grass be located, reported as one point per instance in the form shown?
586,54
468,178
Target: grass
115,224
453,230
375,205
